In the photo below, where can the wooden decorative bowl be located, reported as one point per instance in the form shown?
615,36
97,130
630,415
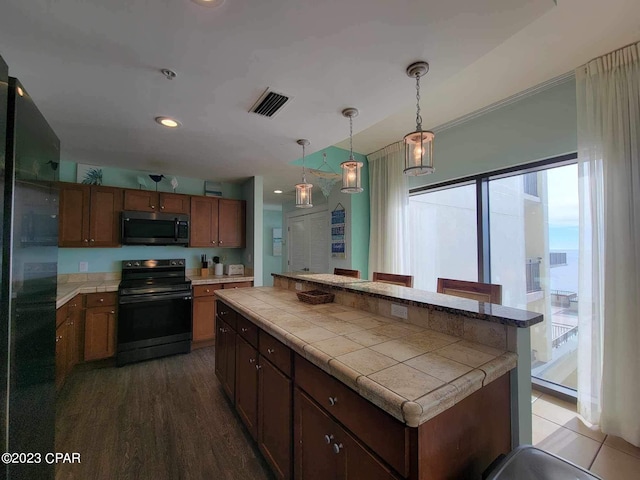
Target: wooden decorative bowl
315,297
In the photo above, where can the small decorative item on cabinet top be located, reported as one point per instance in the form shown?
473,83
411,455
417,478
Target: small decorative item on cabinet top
315,297
89,174
212,189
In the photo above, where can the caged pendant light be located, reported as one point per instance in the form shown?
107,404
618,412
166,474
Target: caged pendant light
418,145
351,182
303,189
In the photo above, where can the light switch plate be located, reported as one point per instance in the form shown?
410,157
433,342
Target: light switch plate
399,311
83,267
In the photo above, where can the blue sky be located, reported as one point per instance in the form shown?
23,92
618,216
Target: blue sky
562,194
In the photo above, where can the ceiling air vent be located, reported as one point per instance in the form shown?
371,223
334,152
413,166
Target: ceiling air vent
270,103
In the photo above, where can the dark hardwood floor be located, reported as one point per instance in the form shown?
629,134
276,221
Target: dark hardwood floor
161,419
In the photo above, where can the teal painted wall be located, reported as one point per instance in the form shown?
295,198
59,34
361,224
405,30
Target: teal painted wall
253,191
271,219
356,210
543,125
120,177
108,259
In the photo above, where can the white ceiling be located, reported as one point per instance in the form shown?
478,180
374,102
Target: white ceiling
93,69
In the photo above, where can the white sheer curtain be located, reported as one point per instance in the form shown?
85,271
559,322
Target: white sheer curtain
608,94
389,200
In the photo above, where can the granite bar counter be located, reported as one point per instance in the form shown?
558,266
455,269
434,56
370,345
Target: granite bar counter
409,370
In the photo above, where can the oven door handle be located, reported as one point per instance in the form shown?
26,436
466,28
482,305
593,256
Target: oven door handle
175,230
153,297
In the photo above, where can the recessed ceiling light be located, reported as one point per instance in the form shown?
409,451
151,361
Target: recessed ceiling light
277,191
168,122
209,3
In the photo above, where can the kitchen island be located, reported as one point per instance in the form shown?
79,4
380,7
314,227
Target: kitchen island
423,397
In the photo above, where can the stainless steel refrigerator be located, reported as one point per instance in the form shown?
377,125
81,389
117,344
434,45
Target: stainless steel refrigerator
29,158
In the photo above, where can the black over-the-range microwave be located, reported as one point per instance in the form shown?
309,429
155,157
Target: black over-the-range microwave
146,228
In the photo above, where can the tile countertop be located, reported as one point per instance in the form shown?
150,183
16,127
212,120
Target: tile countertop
412,373
422,298
66,291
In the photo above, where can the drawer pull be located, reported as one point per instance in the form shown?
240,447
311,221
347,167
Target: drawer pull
270,351
207,290
252,360
113,311
101,300
223,313
244,330
328,438
333,401
221,330
258,367
337,447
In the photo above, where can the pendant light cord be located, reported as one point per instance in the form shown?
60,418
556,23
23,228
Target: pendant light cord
304,178
350,137
418,116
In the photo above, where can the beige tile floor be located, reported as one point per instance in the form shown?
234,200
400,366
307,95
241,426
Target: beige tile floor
557,429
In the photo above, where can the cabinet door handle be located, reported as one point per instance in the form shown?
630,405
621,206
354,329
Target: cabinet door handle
101,300
244,330
207,290
113,311
220,242
258,367
328,438
222,313
337,447
86,240
92,240
213,242
270,351
252,360
221,330
161,207
153,206
333,401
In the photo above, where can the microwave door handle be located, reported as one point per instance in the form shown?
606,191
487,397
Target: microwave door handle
175,230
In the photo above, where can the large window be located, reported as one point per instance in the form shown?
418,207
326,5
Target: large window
443,236
525,239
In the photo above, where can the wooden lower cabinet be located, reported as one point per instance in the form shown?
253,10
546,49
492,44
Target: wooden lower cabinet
204,312
274,418
100,333
226,357
323,449
247,385
69,342
309,425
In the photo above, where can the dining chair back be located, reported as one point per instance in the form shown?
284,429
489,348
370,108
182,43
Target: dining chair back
404,280
345,272
483,292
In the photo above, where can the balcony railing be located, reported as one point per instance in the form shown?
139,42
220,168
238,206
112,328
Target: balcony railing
531,183
557,259
562,333
533,275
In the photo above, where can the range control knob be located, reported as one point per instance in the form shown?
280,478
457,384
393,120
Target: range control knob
128,264
181,263
136,264
173,262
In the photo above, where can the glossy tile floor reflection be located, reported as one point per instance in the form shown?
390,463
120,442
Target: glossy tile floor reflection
557,429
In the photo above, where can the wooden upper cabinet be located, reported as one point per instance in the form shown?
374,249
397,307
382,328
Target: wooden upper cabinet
204,222
89,216
73,218
147,201
104,225
231,223
141,201
174,203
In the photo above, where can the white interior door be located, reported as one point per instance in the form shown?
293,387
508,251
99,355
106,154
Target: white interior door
298,245
309,243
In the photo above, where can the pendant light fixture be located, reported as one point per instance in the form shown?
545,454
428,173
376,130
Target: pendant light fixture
303,189
418,145
351,182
